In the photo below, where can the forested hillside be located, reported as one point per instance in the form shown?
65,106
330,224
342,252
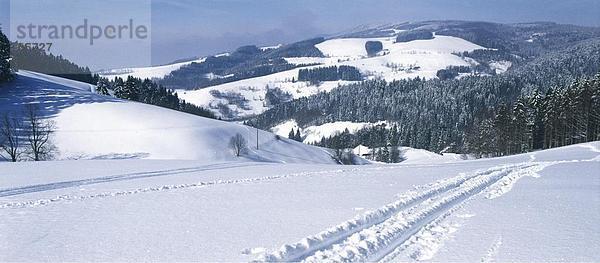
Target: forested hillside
245,62
562,116
148,92
437,114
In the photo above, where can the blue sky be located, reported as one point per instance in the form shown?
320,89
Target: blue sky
188,28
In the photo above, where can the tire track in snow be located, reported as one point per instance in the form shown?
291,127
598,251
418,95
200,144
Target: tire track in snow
376,234
324,240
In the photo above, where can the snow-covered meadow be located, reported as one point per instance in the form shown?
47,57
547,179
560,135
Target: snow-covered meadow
541,206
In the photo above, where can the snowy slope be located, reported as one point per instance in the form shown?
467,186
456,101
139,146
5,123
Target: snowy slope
253,90
90,126
419,58
540,206
155,72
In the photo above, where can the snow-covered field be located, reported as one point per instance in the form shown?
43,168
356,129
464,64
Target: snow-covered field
419,58
541,206
91,126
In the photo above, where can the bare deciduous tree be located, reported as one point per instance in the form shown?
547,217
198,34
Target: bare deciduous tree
10,140
238,144
39,131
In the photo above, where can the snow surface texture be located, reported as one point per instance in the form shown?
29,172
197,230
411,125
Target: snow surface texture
174,210
155,72
419,58
90,126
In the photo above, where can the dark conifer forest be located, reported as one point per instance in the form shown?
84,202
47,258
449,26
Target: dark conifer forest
549,101
149,92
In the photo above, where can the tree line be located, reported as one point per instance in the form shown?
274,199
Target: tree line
558,117
245,62
146,91
15,56
451,72
333,73
36,59
562,116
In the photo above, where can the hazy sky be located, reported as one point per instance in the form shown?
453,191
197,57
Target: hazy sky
209,26
188,28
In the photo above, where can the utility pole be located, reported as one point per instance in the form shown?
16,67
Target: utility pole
257,138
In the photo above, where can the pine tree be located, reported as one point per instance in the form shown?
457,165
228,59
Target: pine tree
537,103
130,90
394,154
521,126
102,87
5,73
503,124
594,116
119,88
292,135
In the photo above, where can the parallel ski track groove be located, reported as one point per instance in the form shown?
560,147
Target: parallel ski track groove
411,214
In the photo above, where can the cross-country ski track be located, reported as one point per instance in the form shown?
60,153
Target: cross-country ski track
381,235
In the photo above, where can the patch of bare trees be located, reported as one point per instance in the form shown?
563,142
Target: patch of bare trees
238,144
30,135
10,140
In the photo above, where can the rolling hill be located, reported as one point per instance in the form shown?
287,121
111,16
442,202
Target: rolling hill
91,126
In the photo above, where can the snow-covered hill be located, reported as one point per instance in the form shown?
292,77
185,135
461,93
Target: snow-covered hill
418,58
541,206
154,72
90,126
422,58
